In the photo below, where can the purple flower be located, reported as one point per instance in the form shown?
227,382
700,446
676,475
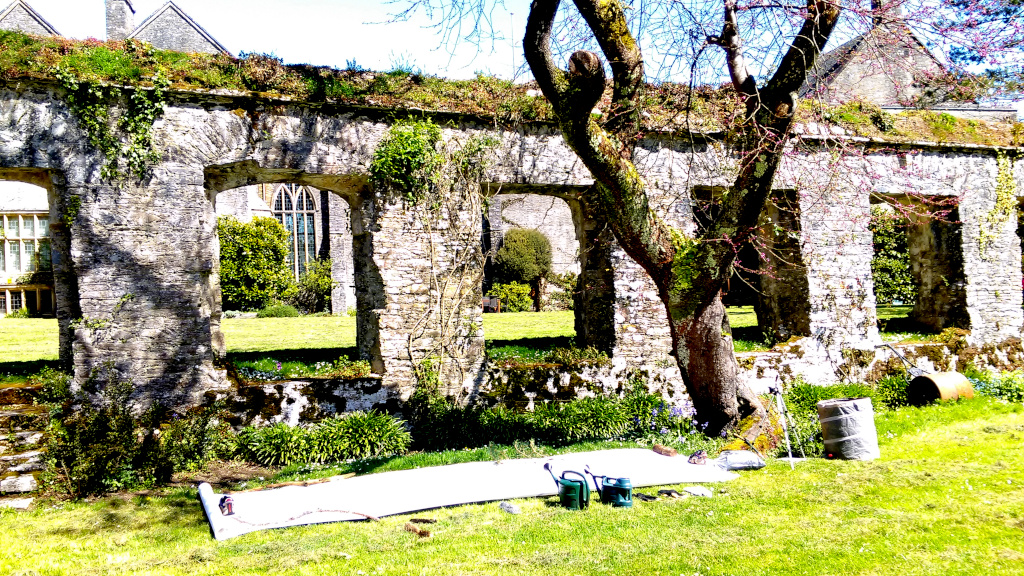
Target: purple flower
278,366
664,431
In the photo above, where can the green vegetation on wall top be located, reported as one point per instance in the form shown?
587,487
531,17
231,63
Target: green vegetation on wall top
711,109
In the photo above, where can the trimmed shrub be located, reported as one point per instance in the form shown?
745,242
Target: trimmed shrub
278,311
515,297
313,292
524,257
252,262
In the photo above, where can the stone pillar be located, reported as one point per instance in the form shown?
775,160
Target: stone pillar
418,293
825,291
783,306
337,244
594,298
120,19
937,265
992,252
143,302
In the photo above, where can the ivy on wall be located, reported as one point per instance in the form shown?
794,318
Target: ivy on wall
126,141
1006,205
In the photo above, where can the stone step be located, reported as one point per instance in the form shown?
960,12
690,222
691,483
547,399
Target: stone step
23,418
19,393
17,441
18,472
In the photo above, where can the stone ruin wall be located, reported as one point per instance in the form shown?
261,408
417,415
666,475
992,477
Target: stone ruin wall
137,269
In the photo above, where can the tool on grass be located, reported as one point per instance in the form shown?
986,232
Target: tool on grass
572,494
787,422
926,387
914,371
615,491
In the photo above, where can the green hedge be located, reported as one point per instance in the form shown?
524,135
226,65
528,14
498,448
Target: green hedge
252,262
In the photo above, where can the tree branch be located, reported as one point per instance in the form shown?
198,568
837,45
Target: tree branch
731,42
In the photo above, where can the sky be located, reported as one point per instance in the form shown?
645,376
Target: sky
321,32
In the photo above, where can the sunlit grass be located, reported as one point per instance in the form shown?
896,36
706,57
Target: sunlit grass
944,499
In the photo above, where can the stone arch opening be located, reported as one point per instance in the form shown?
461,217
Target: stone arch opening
320,213
550,215
34,272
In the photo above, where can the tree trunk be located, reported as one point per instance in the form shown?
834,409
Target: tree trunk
704,348
689,272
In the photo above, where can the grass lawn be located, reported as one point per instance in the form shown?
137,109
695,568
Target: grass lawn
35,339
945,498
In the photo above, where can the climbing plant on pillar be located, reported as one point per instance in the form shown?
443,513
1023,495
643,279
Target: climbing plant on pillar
436,179
1004,207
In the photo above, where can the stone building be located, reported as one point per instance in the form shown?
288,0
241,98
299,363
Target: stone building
889,66
26,266
21,17
168,28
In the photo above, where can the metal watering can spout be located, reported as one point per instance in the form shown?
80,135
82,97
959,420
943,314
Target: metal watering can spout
573,494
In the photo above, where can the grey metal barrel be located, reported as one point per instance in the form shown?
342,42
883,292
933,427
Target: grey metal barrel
848,428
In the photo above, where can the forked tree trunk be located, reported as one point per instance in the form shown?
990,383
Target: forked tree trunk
689,272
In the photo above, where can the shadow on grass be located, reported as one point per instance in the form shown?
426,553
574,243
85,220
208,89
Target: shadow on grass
116,513
11,372
545,344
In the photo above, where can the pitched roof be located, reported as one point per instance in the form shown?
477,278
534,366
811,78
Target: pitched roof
172,7
31,14
831,63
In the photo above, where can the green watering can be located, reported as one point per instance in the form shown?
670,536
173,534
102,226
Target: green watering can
572,494
618,492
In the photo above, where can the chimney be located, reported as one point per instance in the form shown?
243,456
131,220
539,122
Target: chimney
120,19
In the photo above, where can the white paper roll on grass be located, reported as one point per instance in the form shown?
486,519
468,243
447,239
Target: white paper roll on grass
848,428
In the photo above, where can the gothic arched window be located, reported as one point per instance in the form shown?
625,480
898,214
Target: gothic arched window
295,209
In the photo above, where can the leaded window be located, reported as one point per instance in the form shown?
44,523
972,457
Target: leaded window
295,208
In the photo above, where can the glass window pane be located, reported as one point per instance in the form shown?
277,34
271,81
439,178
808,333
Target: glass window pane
44,226
277,201
12,226
45,262
30,256
289,223
15,300
3,256
287,201
310,234
15,257
29,223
